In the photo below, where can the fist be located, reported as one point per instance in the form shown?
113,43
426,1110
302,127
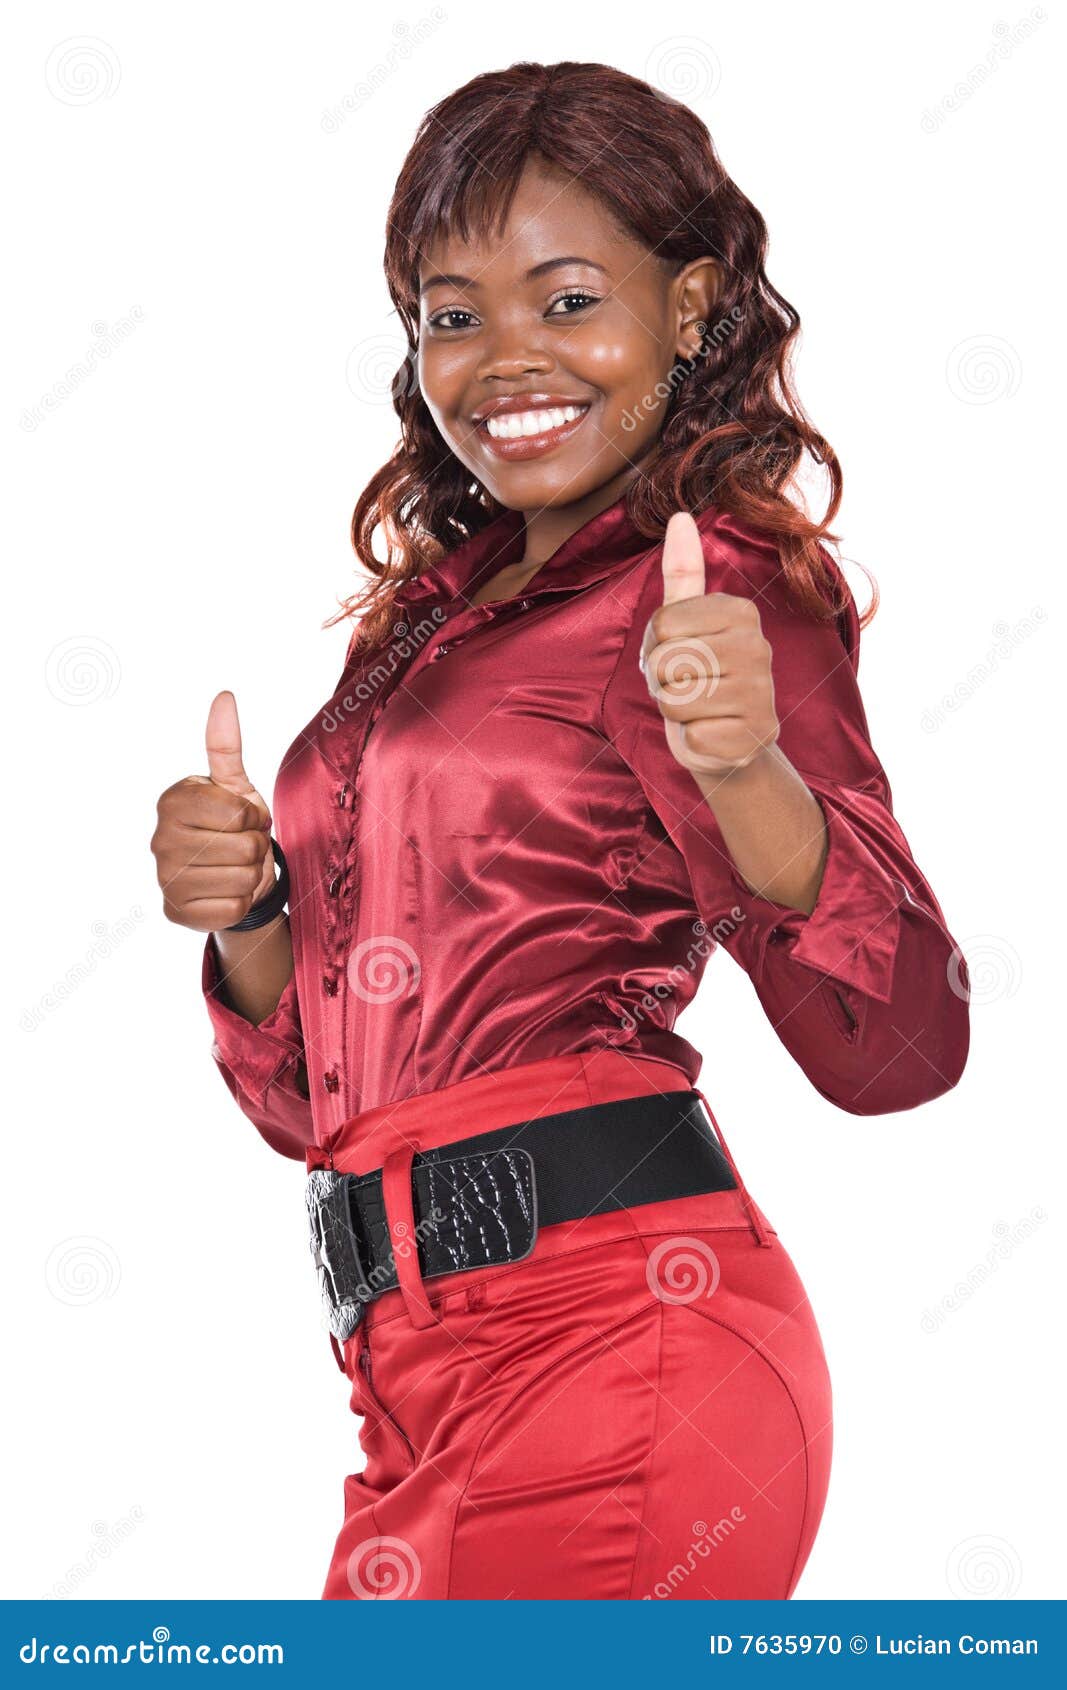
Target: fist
212,838
707,664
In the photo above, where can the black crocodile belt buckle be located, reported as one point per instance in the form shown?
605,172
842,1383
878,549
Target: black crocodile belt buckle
335,1252
472,1211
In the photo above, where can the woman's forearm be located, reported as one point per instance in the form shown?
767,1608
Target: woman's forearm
772,826
255,967
254,970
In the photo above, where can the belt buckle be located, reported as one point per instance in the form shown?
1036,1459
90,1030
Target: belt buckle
335,1252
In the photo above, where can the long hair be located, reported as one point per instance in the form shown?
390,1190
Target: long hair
734,432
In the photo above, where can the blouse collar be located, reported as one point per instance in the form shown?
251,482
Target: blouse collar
603,543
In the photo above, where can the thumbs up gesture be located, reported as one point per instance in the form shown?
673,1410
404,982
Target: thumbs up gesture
707,664
212,836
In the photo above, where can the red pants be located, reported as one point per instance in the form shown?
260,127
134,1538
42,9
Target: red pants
640,1408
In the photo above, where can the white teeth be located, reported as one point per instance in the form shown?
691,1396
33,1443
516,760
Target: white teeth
516,425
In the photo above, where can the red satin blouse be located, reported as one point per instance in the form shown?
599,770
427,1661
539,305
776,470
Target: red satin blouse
494,856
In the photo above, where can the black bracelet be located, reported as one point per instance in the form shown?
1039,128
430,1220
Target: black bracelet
275,901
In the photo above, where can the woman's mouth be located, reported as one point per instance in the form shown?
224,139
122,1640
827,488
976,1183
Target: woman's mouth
529,434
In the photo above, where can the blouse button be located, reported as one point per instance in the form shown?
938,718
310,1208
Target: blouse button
524,604
329,985
334,886
331,1079
342,796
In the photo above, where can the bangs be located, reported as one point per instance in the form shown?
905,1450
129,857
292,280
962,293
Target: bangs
469,200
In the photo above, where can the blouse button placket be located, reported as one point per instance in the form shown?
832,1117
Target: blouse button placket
342,872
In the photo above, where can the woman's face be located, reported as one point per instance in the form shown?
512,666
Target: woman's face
545,355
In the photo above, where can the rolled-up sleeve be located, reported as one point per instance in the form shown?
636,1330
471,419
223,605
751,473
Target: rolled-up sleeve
259,1062
869,992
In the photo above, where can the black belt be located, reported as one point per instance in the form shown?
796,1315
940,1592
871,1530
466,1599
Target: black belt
479,1201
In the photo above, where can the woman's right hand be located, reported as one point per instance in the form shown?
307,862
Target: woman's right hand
212,837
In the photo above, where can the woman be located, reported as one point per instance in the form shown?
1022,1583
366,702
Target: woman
599,715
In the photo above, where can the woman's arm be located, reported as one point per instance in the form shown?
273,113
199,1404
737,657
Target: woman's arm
249,987
835,924
772,827
256,967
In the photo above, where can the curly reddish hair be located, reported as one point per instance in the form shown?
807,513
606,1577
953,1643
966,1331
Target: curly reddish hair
734,432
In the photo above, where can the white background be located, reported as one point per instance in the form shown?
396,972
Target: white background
177,523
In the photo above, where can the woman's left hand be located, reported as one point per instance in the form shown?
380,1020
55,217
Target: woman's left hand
707,664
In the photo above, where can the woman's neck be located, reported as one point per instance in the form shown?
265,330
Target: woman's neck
551,526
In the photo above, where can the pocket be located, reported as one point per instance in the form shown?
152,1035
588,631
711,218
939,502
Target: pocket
378,1422
484,881
842,1014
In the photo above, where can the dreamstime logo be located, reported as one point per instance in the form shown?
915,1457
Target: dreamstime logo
689,666
690,670
382,969
648,1007
712,335
406,1239
82,670
405,641
681,1270
984,1567
106,1539
683,68
983,369
161,1649
985,969
386,1569
1007,638
1007,1240
372,373
1008,37
106,338
82,70
384,1275
704,1540
108,935
408,37
82,1270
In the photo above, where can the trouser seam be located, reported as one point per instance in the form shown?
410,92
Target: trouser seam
493,1416
650,1458
757,1348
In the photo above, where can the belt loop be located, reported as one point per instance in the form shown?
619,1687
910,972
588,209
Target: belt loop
758,1229
403,1241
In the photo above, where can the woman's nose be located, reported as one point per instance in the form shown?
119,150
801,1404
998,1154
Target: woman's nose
511,355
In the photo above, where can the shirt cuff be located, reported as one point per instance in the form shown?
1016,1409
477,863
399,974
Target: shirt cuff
853,931
255,1054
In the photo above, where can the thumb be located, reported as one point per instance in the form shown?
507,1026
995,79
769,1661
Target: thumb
683,559
223,744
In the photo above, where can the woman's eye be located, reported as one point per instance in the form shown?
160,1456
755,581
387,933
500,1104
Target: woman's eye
578,294
456,317
438,322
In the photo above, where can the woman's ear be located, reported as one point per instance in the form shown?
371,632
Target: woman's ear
697,288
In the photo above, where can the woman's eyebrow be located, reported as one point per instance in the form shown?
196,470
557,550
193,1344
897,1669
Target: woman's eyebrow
456,281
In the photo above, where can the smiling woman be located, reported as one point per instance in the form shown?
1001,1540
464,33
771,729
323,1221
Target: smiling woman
610,320
589,251
598,716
